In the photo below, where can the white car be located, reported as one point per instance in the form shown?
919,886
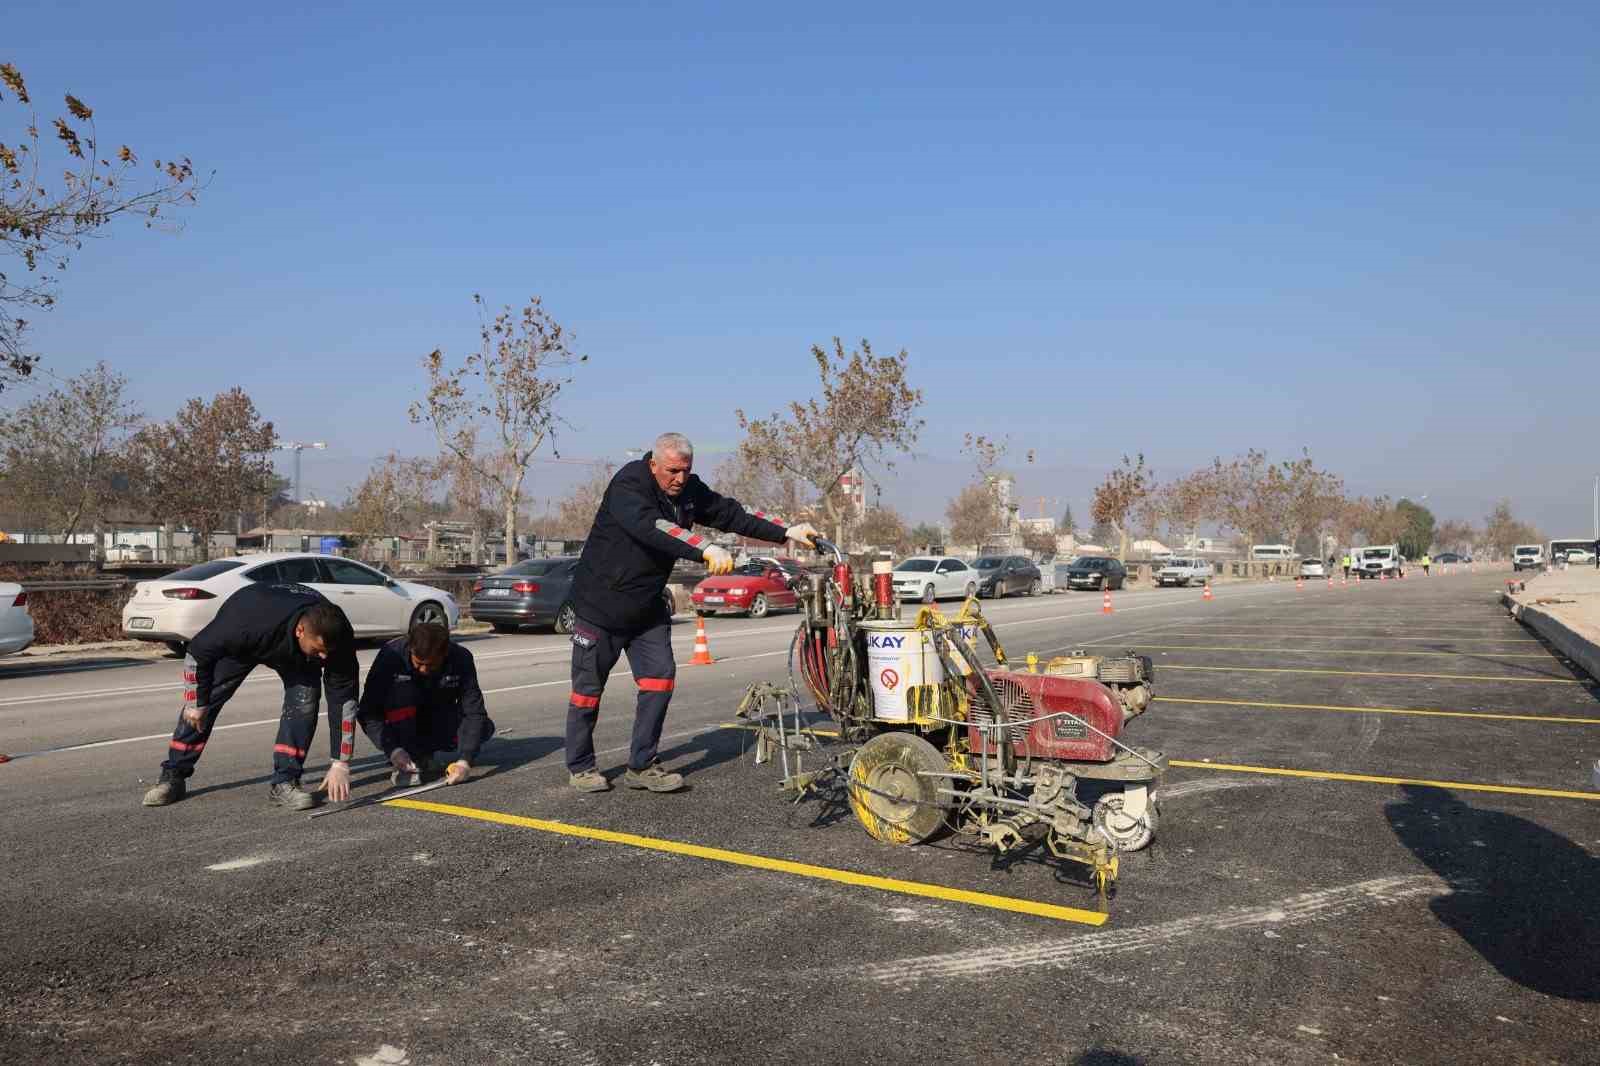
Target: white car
926,578
129,553
1312,568
175,608
16,624
1184,572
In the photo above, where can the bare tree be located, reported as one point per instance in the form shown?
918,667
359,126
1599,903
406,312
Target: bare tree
1455,535
924,535
393,497
1123,490
883,527
207,464
575,513
1503,531
1038,541
972,514
63,454
866,414
758,487
505,392
48,208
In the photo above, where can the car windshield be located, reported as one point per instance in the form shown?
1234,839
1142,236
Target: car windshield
751,570
1527,551
537,567
988,563
204,570
1091,564
915,566
1376,553
1180,562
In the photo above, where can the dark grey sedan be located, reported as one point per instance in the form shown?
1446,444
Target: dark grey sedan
1094,572
1002,575
533,593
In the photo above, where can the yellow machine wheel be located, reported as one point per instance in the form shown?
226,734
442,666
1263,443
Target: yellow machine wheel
890,798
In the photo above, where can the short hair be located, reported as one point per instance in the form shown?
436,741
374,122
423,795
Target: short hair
673,444
325,622
428,641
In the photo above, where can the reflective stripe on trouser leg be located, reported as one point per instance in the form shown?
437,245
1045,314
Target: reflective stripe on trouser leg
297,727
187,742
594,652
655,673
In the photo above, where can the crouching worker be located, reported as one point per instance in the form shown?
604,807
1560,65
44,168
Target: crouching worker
309,643
422,698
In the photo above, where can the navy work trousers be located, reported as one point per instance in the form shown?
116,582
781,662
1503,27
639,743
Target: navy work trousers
594,652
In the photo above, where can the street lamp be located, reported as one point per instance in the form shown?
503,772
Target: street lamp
297,447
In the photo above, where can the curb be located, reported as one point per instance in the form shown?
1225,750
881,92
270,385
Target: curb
1582,650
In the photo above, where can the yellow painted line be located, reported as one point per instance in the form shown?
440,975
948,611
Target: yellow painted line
762,862
1374,779
1339,651
1352,636
1374,673
1560,719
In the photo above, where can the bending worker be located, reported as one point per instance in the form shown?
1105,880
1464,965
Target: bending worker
308,641
644,525
422,697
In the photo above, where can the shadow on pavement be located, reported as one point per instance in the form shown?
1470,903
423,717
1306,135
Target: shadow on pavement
20,668
504,753
1105,1057
1525,898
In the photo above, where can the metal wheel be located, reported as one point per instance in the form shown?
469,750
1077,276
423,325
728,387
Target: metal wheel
503,627
890,797
1125,833
566,618
431,613
177,647
927,594
758,606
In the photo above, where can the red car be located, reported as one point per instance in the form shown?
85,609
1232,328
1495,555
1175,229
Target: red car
755,588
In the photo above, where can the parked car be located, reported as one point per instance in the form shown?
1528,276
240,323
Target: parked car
1579,557
537,592
1001,575
1377,560
1313,568
1184,572
130,553
755,589
173,609
1095,571
16,624
1448,557
934,577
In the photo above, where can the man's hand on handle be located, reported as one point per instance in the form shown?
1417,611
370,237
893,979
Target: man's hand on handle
802,534
718,561
337,782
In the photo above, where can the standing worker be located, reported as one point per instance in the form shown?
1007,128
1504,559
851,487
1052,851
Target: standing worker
308,641
1427,561
422,697
1347,566
644,525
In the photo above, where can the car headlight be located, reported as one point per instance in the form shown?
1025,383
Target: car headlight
737,592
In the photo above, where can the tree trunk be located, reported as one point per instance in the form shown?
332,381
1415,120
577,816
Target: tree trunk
511,527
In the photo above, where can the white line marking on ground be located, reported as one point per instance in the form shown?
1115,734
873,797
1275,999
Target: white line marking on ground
239,864
1194,788
1319,906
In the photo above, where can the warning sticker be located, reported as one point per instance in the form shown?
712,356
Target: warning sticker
889,679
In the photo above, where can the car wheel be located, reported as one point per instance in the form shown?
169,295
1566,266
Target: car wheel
927,594
566,619
177,647
503,627
758,606
431,613
703,613
972,589
1033,588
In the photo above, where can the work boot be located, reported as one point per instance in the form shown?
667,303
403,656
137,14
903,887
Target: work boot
590,780
409,778
654,778
289,794
167,790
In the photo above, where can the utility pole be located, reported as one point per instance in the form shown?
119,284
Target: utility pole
1597,507
297,447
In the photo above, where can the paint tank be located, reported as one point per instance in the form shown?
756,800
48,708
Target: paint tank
901,657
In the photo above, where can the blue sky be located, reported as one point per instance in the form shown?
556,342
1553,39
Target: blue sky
1185,230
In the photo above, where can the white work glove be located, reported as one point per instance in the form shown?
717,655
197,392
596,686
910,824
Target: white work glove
802,534
457,772
400,760
718,561
337,782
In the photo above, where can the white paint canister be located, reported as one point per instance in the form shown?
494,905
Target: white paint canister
900,656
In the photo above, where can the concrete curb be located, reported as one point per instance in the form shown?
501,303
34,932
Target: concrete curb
1583,648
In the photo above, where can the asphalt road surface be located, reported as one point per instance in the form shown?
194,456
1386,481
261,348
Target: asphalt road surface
1377,844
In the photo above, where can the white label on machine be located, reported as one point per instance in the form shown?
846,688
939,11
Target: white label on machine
898,659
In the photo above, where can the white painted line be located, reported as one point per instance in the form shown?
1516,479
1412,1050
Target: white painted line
1320,906
239,864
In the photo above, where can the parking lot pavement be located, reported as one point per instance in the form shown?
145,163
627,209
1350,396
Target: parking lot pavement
1377,843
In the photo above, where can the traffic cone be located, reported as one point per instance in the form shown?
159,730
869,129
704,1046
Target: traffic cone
1344,581
1207,594
702,652
1299,584
1105,603
1330,581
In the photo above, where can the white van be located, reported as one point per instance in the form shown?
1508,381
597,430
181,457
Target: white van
1271,553
1527,557
1376,560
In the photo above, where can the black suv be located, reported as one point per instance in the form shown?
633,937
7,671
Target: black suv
1001,575
1096,571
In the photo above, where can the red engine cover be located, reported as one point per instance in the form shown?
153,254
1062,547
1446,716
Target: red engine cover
1037,695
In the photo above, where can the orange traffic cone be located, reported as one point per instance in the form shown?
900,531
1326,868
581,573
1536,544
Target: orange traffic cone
702,652
1344,582
1299,584
1330,581
1207,593
1105,603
